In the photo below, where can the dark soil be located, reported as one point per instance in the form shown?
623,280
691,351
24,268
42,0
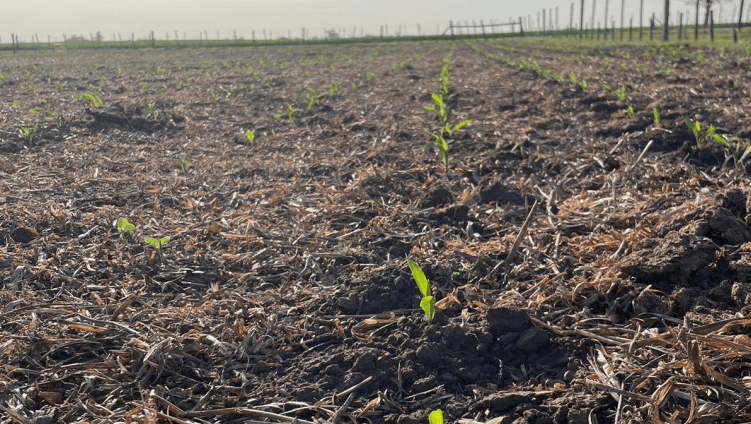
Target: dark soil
283,293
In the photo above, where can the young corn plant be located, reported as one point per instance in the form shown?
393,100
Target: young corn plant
630,111
290,113
621,94
439,107
439,143
428,302
333,89
451,130
656,116
312,97
93,98
183,160
29,133
56,116
700,136
734,148
250,135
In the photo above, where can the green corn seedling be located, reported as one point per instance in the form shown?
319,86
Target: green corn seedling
630,111
96,100
439,143
583,85
333,89
183,160
250,135
451,130
621,94
428,302
290,113
56,116
537,68
656,115
312,97
127,230
440,107
701,137
572,79
29,133
607,87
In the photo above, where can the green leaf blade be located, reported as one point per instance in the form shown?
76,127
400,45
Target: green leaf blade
428,306
422,282
436,417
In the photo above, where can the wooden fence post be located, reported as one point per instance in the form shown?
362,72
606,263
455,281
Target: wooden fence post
630,28
652,27
680,27
581,22
665,27
711,25
483,30
696,25
451,26
740,17
641,19
521,29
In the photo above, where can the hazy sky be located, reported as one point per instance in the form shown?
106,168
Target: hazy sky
82,17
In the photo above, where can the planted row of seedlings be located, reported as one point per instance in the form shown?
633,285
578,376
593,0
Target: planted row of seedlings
441,110
735,150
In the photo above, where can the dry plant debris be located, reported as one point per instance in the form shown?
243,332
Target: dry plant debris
275,289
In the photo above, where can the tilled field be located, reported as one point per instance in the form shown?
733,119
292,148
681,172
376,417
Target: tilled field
283,294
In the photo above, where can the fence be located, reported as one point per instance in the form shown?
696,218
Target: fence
482,26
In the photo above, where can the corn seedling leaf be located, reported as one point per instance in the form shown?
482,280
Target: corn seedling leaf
745,154
461,125
422,282
722,140
92,98
436,417
656,115
428,306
